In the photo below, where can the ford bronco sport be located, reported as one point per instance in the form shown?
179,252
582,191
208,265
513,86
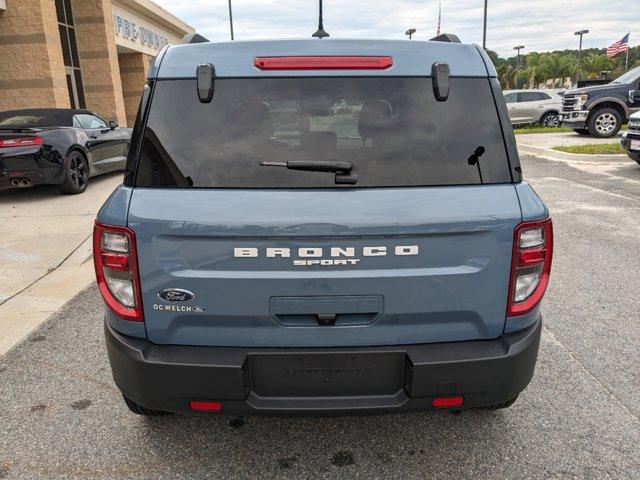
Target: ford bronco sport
308,227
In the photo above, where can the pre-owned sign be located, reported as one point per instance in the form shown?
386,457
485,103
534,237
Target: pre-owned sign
137,33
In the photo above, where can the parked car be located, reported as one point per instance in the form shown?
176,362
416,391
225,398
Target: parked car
376,262
631,139
63,147
600,111
533,106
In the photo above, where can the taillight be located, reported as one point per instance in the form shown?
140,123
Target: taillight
116,263
325,62
530,265
21,142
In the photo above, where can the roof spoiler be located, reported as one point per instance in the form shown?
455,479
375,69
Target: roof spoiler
446,37
194,38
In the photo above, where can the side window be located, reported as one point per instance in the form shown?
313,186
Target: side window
545,96
511,98
76,122
531,96
91,121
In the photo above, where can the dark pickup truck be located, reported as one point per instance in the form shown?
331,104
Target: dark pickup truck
601,110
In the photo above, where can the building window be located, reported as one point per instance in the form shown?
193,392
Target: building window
70,53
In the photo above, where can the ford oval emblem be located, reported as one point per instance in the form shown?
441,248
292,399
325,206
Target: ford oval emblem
176,295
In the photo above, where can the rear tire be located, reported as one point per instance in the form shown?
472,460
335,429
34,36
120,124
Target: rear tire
144,411
581,131
550,119
76,174
604,123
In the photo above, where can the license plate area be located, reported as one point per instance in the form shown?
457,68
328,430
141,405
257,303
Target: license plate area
327,374
634,145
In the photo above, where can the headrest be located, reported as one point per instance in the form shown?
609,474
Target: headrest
250,119
319,142
375,117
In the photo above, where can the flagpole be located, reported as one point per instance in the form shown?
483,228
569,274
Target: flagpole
626,62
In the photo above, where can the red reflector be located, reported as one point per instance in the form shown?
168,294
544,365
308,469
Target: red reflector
206,406
116,261
324,63
442,402
21,142
528,257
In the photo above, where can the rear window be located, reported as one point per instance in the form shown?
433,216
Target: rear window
391,129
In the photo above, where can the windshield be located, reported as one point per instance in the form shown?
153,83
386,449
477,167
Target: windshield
628,77
391,129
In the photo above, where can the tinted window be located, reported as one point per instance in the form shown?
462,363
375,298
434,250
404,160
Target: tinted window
392,130
91,121
532,96
511,98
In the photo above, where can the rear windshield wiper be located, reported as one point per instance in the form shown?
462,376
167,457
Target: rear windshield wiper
345,173
474,159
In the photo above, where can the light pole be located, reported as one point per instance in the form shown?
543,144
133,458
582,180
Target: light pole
580,33
484,27
320,33
518,48
410,32
230,20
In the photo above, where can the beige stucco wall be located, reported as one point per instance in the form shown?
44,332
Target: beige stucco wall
32,72
31,66
133,73
99,58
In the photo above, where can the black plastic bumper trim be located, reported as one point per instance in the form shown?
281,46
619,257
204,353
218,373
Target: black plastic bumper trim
485,372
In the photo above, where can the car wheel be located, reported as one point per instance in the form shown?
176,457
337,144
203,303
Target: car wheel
76,174
550,119
140,410
604,123
581,131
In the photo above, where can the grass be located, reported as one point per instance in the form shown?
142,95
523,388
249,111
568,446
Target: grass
592,149
538,129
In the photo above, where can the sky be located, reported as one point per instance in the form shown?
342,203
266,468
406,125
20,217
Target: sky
539,25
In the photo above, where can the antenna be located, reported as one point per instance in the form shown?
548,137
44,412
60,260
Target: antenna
439,18
320,33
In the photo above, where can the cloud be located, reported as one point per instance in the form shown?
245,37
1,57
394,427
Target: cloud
540,25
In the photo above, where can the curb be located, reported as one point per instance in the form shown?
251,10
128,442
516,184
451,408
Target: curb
45,297
556,155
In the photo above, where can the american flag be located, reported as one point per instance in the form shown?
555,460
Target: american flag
618,47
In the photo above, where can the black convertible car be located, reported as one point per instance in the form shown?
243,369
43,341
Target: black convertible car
63,147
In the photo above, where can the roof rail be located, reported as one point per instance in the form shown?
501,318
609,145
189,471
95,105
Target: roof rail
194,38
446,37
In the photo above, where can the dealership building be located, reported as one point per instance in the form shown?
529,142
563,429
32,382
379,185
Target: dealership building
91,54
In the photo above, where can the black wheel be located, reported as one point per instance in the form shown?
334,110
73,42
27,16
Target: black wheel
140,410
581,131
604,123
76,174
550,119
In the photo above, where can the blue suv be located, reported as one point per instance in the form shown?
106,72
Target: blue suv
322,227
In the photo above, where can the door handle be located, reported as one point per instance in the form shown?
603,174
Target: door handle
93,136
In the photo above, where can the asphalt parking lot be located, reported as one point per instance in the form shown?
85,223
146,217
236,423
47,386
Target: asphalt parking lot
62,417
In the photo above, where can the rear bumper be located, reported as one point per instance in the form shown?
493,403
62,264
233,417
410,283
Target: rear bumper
323,381
21,179
626,144
574,119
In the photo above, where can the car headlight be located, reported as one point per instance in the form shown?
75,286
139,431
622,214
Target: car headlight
634,124
581,100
